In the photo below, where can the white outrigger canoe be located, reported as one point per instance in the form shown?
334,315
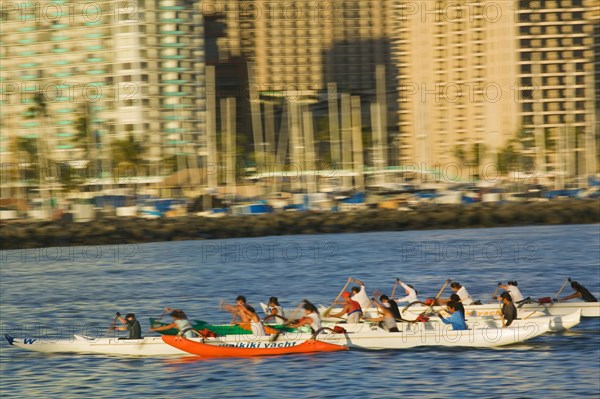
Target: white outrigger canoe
361,335
555,323
588,309
370,336
148,346
441,335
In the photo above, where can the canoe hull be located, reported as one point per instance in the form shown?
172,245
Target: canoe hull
362,335
369,337
441,335
149,346
555,323
258,348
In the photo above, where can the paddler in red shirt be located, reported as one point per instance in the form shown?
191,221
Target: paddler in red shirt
351,308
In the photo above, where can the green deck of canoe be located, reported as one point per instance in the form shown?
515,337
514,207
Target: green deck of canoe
220,330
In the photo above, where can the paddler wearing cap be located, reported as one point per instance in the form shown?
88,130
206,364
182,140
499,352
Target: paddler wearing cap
351,308
180,322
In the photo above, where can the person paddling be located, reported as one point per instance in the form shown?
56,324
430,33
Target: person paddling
387,318
513,290
256,324
311,318
411,293
509,311
237,309
359,294
274,310
580,292
392,305
131,324
456,319
180,322
351,308
459,305
461,291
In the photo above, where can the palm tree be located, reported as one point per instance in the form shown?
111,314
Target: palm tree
82,131
459,153
127,153
39,111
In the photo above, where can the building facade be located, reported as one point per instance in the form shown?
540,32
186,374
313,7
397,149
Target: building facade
78,76
558,98
457,75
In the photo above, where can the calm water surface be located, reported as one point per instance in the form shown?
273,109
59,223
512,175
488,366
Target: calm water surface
59,291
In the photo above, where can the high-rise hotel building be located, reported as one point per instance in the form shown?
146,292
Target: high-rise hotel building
457,75
475,75
559,42
102,69
298,48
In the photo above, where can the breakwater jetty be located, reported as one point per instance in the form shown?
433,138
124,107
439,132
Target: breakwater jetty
111,230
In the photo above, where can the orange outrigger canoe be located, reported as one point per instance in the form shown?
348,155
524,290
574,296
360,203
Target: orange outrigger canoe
207,350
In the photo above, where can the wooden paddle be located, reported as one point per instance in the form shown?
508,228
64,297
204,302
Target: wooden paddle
568,280
495,292
436,297
163,313
328,310
290,321
530,314
114,322
394,289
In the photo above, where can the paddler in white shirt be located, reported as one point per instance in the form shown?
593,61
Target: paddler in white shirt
411,293
311,318
513,290
461,291
359,294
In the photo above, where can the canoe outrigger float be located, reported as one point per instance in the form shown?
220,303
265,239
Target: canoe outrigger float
250,348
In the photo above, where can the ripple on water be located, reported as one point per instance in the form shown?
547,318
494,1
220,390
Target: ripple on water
74,296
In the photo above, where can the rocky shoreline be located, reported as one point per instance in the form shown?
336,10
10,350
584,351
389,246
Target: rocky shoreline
107,231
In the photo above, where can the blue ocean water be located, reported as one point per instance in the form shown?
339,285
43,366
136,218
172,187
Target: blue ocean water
60,291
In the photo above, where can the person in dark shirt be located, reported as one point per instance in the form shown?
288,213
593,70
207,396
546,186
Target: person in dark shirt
387,318
580,292
130,324
392,305
509,311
